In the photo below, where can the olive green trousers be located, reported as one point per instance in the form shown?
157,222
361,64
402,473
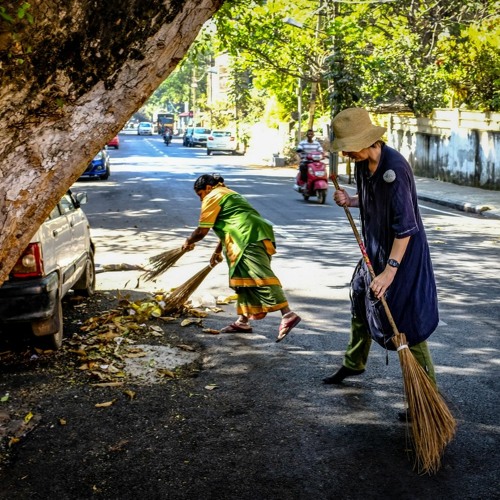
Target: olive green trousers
360,341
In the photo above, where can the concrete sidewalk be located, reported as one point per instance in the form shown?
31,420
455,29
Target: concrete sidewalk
467,199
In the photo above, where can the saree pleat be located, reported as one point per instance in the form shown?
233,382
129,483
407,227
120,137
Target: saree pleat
258,288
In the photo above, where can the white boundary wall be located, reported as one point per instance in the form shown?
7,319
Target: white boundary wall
453,145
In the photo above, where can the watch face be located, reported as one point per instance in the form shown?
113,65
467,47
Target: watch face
393,263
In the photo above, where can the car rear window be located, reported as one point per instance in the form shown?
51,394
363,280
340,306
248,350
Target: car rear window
220,133
202,130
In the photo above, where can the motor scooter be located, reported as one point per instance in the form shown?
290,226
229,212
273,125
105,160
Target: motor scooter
167,136
317,177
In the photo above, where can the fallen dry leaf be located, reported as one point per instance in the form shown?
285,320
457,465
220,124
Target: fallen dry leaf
130,394
119,446
211,331
107,336
191,321
216,309
156,330
108,384
80,352
168,318
106,404
186,347
226,300
163,372
197,314
13,440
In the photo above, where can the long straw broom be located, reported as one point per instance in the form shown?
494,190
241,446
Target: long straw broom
433,425
162,262
181,294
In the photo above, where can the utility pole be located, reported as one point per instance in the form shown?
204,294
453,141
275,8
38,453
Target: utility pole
194,85
333,160
299,110
314,83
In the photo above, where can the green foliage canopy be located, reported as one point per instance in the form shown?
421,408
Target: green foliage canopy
413,54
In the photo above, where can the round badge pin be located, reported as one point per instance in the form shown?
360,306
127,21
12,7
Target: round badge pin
389,176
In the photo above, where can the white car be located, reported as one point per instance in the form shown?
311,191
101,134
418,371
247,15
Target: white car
221,140
198,137
59,257
145,128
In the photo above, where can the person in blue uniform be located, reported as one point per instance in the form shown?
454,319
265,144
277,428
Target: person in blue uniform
396,244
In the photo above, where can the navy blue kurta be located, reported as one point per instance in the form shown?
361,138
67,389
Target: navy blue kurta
389,209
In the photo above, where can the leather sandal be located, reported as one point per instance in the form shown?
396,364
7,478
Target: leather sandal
237,327
289,321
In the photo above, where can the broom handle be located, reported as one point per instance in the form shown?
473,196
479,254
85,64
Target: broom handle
365,257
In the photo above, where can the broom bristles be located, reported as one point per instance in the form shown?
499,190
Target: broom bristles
181,294
162,262
432,423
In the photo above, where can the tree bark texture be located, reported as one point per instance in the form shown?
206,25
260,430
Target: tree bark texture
70,79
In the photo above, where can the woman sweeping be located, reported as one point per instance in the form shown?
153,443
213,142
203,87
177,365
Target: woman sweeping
248,244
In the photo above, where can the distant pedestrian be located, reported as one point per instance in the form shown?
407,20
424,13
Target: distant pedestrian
396,244
248,243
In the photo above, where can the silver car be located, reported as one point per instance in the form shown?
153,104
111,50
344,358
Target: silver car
59,257
145,128
198,137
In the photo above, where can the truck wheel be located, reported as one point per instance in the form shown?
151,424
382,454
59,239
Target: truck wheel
85,286
50,330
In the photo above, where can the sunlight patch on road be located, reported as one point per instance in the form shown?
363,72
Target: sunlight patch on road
156,362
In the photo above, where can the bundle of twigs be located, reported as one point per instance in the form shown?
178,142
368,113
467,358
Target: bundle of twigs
175,301
433,425
162,262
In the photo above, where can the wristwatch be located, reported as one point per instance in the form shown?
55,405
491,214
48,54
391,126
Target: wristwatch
393,263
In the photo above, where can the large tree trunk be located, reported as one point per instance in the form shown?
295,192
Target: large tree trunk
70,79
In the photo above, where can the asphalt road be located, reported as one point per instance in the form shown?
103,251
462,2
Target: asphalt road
271,429
150,197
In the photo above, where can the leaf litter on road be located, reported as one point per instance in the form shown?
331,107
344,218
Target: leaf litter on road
109,347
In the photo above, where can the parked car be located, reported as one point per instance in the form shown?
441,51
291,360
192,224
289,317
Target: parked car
221,140
186,136
114,143
99,166
145,128
198,137
59,257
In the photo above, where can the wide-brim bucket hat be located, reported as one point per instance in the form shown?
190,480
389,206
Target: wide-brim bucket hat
354,130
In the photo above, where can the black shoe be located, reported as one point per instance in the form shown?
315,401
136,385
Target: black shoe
404,416
343,372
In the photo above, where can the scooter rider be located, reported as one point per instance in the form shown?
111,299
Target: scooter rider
306,146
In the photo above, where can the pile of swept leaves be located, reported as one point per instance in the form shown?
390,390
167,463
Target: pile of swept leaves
102,332
107,340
